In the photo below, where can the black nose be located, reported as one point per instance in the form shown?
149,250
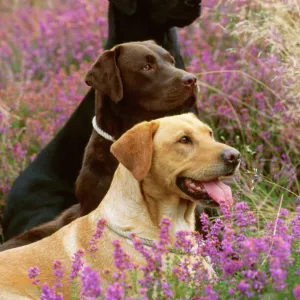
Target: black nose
231,157
189,80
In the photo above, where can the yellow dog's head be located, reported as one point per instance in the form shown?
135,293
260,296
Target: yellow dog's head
180,156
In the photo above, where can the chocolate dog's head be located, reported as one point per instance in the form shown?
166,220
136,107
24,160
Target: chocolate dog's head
142,76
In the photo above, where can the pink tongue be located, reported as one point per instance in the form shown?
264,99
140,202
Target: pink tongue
219,191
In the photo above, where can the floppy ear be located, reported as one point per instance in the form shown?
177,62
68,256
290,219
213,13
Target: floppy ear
134,149
104,75
127,7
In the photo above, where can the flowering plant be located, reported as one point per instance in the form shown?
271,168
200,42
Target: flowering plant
247,263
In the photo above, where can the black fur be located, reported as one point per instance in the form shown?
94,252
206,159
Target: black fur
46,187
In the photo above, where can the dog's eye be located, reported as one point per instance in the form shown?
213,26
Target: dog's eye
185,140
147,67
211,134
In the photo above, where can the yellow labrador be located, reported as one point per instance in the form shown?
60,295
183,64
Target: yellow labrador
166,167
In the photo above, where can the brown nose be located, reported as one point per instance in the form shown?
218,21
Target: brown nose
189,80
231,157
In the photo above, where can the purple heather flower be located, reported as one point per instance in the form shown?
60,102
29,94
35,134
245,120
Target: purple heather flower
181,270
296,292
204,222
97,235
167,290
90,284
142,292
225,210
252,250
212,245
279,261
231,291
184,241
161,246
33,272
296,224
147,281
278,273
139,246
228,258
243,216
216,229
77,263
245,288
283,212
115,291
122,259
257,279
58,272
164,233
48,293
210,293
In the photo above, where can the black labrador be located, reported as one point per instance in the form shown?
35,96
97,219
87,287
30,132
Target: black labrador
46,187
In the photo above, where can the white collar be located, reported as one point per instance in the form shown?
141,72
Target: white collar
101,132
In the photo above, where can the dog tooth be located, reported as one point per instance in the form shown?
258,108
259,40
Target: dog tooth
188,181
193,185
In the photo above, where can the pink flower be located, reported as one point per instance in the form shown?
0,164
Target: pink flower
77,263
121,258
33,272
296,292
97,235
90,284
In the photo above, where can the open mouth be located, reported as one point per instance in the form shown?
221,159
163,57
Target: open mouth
208,193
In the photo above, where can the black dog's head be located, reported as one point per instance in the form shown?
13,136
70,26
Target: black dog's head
177,13
142,76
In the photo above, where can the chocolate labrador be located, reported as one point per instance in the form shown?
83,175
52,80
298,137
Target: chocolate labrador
133,82
46,187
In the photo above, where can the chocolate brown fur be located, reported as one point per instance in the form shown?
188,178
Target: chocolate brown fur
44,230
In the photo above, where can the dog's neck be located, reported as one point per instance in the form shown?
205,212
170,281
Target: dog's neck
118,122
137,207
120,115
